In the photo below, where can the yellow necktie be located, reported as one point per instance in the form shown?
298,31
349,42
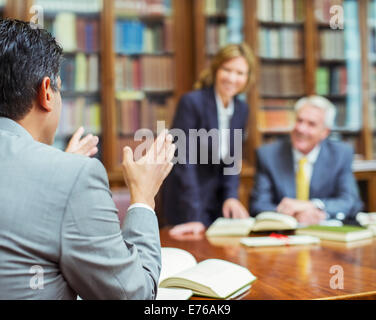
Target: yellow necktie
302,181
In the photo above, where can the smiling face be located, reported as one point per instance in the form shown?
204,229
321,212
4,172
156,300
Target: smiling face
309,129
231,78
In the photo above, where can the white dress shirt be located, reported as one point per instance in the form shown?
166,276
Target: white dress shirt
224,119
311,159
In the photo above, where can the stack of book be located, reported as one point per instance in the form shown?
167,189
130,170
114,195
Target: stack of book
80,73
149,73
287,11
332,44
282,80
81,6
281,43
142,7
276,114
331,80
322,9
79,112
142,114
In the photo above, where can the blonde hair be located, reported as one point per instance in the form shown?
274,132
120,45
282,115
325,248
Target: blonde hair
231,51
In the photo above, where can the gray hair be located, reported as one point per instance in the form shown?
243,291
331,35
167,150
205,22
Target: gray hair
322,103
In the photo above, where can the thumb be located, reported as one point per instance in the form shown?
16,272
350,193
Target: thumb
226,211
127,155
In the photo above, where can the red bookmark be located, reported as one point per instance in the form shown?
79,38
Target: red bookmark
281,237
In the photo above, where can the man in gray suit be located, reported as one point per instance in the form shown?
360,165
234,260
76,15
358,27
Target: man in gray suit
307,176
59,231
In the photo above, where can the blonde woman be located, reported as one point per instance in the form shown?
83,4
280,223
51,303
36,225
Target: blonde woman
195,194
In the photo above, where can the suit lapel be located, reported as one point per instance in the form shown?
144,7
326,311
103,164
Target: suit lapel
287,171
321,169
211,109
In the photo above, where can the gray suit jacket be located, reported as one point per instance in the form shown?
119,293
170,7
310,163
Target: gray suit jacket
57,218
332,179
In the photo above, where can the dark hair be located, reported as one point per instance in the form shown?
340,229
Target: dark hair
27,55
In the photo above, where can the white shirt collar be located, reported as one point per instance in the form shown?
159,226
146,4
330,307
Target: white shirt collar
311,157
229,111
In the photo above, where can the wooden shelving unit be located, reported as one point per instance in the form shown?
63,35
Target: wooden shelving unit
190,20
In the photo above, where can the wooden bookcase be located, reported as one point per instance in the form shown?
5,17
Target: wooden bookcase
76,26
179,55
190,20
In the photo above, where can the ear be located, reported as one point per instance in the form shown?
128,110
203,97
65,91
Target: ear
325,133
45,95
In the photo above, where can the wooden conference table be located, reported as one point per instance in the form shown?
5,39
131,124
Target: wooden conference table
293,272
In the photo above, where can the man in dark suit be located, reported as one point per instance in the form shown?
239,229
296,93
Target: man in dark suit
307,176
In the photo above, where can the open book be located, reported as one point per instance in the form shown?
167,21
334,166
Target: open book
212,278
265,221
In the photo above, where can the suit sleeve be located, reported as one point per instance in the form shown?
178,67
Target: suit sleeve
262,196
98,259
346,199
189,199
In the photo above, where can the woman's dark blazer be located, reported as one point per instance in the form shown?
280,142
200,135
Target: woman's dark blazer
196,192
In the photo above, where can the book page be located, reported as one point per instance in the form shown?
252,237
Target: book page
173,294
175,260
228,227
222,277
274,221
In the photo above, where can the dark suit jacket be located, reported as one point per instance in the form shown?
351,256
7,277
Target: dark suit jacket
332,179
196,192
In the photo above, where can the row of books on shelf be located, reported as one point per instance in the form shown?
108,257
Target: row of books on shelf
78,6
143,7
281,43
154,73
278,114
223,7
219,34
80,73
74,32
133,115
331,80
136,37
323,9
332,44
372,44
282,80
371,13
285,11
79,112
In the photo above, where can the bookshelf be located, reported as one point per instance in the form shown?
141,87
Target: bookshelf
144,68
282,58
76,26
338,67
192,25
148,67
2,8
370,74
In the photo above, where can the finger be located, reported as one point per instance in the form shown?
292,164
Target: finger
226,212
127,155
92,152
77,135
157,146
180,229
